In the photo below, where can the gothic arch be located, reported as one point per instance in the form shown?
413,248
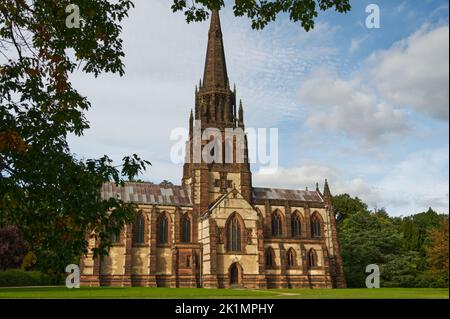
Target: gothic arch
260,222
235,274
277,220
139,229
312,258
291,258
317,229
296,224
270,258
186,228
163,228
235,233
259,213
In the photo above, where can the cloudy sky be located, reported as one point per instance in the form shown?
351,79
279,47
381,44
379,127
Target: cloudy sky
365,108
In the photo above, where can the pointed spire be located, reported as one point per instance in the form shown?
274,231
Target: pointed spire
241,112
191,121
317,188
326,191
215,75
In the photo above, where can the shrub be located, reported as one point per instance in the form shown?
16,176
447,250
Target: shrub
12,247
433,279
20,278
28,261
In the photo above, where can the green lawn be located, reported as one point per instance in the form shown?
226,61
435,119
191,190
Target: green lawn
168,293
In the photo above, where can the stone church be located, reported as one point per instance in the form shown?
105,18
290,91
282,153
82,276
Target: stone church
216,230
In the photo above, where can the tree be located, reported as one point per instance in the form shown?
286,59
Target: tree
261,12
410,251
437,255
371,238
437,251
344,206
400,269
12,247
53,197
416,230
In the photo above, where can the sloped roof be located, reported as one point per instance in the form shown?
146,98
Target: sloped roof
260,193
148,193
169,194
217,202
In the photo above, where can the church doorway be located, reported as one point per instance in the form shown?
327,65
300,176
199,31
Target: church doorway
235,275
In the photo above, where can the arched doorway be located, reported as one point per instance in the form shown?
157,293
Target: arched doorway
235,275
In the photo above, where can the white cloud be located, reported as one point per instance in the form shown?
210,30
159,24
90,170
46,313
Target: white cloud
267,64
355,44
401,7
165,59
136,113
299,177
348,107
419,181
358,187
307,174
410,186
373,103
415,72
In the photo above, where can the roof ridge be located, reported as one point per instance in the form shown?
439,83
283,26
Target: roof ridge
267,193
287,189
143,183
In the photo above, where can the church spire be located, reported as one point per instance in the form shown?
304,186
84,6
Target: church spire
326,191
191,122
241,114
215,75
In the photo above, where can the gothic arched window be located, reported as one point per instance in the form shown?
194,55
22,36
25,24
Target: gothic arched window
277,225
185,229
270,258
163,229
296,226
138,229
312,258
316,226
234,234
291,258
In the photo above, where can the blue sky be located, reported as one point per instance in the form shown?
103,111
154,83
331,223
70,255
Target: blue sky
365,108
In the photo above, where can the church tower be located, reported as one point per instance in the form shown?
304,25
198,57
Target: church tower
217,152
216,230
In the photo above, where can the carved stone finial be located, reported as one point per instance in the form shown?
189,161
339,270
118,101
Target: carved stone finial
166,184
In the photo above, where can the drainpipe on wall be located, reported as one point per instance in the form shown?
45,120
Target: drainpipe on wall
201,254
201,265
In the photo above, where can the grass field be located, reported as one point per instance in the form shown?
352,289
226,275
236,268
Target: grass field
168,293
